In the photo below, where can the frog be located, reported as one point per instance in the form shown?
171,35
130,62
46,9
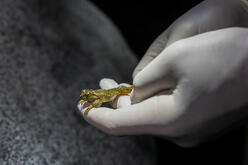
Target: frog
98,96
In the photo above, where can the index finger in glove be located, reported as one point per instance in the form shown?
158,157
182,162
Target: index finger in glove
153,51
157,75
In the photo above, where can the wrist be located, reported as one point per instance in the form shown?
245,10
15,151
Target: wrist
244,6
245,3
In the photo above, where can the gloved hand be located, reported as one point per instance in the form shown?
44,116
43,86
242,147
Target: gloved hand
209,74
207,16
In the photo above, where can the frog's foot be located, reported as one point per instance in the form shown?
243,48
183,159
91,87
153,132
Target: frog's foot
88,109
81,102
80,105
96,104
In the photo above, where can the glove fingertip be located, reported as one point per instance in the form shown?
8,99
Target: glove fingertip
107,83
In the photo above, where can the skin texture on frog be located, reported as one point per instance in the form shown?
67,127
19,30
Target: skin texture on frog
99,96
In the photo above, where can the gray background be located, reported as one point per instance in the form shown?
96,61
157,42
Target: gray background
49,51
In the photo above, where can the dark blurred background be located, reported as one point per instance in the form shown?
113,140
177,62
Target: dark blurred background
140,22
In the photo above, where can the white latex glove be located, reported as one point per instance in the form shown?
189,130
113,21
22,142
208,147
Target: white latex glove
210,75
200,105
207,16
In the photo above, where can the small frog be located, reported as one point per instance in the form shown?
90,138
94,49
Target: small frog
99,96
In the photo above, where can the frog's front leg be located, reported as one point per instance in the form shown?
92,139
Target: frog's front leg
97,103
81,102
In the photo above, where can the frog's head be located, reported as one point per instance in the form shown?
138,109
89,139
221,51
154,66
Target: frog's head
126,90
86,93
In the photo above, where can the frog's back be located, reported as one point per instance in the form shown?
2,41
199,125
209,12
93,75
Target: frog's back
107,95
103,92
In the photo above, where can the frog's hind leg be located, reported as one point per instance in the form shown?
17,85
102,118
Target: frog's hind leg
97,103
88,109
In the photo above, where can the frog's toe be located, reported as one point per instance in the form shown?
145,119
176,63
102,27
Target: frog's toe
81,102
81,105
